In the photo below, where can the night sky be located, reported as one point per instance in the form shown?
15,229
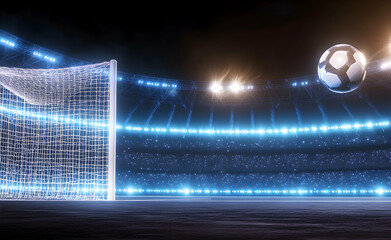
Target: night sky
256,41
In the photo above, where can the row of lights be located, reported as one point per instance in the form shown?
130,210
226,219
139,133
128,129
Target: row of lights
12,44
260,132
157,84
186,191
182,131
234,87
303,83
45,57
37,54
7,42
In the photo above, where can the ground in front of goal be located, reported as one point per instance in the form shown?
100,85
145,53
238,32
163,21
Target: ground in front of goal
187,217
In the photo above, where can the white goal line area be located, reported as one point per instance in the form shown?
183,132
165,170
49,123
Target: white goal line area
57,132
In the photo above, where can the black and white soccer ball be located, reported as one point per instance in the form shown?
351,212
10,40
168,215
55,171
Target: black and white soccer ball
342,68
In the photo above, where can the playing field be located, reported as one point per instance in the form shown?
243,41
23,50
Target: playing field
199,218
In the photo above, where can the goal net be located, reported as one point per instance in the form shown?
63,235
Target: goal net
57,132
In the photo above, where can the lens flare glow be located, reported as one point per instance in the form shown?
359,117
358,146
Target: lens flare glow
216,87
235,87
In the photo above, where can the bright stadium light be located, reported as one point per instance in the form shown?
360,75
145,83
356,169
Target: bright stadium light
7,42
379,191
45,57
216,87
235,87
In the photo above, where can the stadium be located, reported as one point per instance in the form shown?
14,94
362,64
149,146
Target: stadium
184,137
72,129
295,138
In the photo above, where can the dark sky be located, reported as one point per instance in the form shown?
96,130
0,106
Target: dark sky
199,41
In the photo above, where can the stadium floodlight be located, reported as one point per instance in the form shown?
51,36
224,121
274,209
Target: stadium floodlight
157,84
7,42
57,132
43,56
379,191
216,87
236,87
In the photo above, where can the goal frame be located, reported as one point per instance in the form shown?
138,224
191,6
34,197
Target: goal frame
112,131
58,132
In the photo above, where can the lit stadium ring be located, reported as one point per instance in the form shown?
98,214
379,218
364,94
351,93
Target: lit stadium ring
203,132
293,131
258,192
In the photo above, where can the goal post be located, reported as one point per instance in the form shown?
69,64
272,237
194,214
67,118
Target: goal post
57,132
112,131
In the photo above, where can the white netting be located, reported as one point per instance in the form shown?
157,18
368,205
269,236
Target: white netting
54,135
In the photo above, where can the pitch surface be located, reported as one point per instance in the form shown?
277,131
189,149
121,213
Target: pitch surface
200,218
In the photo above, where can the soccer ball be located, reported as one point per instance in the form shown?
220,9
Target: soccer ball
342,68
